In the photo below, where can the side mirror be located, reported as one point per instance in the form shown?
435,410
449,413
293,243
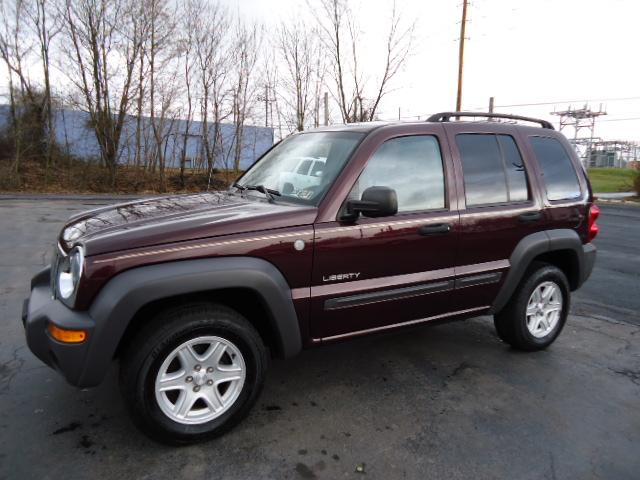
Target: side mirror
375,202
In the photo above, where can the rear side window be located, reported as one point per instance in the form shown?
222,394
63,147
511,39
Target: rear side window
559,175
412,166
493,169
304,167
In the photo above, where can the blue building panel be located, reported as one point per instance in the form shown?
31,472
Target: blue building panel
75,136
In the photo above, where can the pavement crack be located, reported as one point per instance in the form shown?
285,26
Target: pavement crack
9,369
460,368
632,375
68,428
553,466
586,308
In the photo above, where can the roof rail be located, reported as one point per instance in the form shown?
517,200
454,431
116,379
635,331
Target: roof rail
446,117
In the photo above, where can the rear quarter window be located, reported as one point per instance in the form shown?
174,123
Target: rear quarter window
560,178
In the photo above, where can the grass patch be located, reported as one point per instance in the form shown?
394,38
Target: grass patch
611,180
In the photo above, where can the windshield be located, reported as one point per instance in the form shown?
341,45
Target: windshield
302,168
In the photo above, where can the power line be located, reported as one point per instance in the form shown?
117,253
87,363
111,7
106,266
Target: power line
618,99
419,118
619,119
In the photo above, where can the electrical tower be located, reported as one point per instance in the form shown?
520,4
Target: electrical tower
614,153
580,119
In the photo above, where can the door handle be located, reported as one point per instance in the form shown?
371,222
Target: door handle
530,217
434,229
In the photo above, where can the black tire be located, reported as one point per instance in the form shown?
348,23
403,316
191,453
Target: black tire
144,356
511,322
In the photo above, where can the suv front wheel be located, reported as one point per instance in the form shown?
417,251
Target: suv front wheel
193,373
537,311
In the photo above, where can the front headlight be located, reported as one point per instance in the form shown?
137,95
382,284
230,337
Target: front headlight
69,273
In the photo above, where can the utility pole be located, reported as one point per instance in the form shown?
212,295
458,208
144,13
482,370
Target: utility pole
463,26
491,99
266,105
326,108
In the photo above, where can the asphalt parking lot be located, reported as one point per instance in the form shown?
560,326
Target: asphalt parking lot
445,402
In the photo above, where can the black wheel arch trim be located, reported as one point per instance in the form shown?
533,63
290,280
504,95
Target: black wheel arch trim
537,244
126,293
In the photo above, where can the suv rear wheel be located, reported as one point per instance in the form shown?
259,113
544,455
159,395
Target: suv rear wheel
193,373
537,311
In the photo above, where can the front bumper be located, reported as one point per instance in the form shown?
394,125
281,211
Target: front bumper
38,311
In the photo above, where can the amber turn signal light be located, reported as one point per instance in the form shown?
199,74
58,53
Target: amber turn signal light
66,336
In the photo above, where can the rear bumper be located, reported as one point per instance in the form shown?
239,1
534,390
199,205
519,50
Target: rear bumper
38,311
588,260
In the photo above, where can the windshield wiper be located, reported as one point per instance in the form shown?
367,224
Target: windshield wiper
268,192
242,188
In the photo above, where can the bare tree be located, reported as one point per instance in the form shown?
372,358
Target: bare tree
104,43
162,75
16,47
340,35
270,75
188,25
141,143
398,48
318,87
248,40
171,65
46,24
335,13
163,119
213,52
300,54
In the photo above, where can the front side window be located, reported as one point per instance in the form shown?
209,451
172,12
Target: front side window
317,168
559,175
412,166
493,169
303,167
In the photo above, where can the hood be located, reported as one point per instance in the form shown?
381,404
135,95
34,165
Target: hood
177,218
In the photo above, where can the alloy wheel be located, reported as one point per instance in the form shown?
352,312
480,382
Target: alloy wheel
200,380
544,309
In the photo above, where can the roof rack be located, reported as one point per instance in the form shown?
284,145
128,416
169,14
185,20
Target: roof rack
446,117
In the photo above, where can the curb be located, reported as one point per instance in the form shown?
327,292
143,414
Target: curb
617,202
73,197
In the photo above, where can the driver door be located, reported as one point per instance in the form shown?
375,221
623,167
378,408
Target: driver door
377,273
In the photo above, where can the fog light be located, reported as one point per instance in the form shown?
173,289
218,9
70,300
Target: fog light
66,336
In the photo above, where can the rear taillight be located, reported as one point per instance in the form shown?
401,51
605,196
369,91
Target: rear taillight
594,213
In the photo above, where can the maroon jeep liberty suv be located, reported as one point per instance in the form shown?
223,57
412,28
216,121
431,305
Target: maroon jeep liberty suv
333,233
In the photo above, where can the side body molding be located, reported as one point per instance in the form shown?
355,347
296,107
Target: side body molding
536,244
126,293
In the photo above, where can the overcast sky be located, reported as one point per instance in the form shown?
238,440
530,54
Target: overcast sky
519,51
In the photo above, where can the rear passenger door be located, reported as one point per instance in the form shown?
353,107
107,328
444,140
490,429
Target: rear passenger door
498,207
